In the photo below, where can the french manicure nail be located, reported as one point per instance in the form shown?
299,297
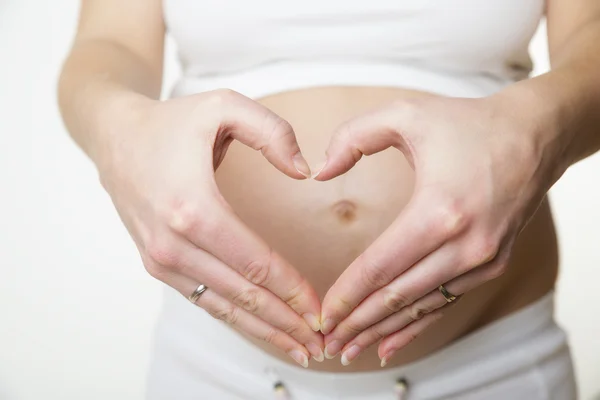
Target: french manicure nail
332,349
318,168
327,326
299,357
349,355
315,351
312,321
301,165
386,358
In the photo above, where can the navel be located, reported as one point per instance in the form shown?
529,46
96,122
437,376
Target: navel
344,210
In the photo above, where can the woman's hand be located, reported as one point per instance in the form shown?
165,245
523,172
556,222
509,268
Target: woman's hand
159,170
480,176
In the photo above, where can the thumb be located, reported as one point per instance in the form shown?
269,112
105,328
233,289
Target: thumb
364,135
258,127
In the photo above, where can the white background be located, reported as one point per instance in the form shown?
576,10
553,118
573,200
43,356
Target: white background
77,308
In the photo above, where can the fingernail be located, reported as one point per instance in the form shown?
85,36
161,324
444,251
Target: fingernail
315,351
301,165
299,357
332,349
312,321
319,167
327,326
386,358
349,355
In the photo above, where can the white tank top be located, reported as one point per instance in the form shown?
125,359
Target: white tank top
465,48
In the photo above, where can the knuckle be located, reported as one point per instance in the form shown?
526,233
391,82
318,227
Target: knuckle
348,136
292,329
275,129
342,305
406,109
418,311
373,274
219,96
495,270
410,337
394,301
377,333
451,219
249,299
184,217
295,296
163,252
352,327
258,271
482,251
281,128
156,270
346,132
405,337
228,315
271,336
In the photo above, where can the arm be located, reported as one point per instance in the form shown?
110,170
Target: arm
566,99
116,59
157,161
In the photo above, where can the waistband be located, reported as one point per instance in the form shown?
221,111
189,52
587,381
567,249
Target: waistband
283,76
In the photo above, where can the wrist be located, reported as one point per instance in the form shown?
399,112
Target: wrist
117,112
540,119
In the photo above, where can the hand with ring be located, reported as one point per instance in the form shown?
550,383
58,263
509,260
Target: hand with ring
158,167
480,175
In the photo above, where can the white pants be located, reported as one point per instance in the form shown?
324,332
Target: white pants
522,356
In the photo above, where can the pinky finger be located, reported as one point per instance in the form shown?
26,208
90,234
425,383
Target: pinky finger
239,319
395,341
464,283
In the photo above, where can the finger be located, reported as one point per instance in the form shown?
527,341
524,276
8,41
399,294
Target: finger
400,339
420,229
215,229
398,321
408,315
200,266
241,320
400,293
452,260
365,135
254,299
256,126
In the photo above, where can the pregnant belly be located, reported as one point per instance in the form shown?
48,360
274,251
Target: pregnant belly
321,227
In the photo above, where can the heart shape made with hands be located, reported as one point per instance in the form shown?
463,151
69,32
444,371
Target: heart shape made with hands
478,179
462,219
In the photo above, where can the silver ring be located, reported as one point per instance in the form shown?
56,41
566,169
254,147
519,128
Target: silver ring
447,295
197,293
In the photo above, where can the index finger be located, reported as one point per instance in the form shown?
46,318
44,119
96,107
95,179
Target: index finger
413,235
257,127
216,229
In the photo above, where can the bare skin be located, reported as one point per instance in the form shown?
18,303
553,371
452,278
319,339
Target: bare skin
298,263
337,220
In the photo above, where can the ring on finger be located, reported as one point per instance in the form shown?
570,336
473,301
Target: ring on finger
447,295
197,293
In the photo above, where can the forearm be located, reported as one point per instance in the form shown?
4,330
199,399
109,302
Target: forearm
100,82
564,104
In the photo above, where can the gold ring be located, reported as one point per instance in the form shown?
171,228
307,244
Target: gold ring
197,293
447,295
